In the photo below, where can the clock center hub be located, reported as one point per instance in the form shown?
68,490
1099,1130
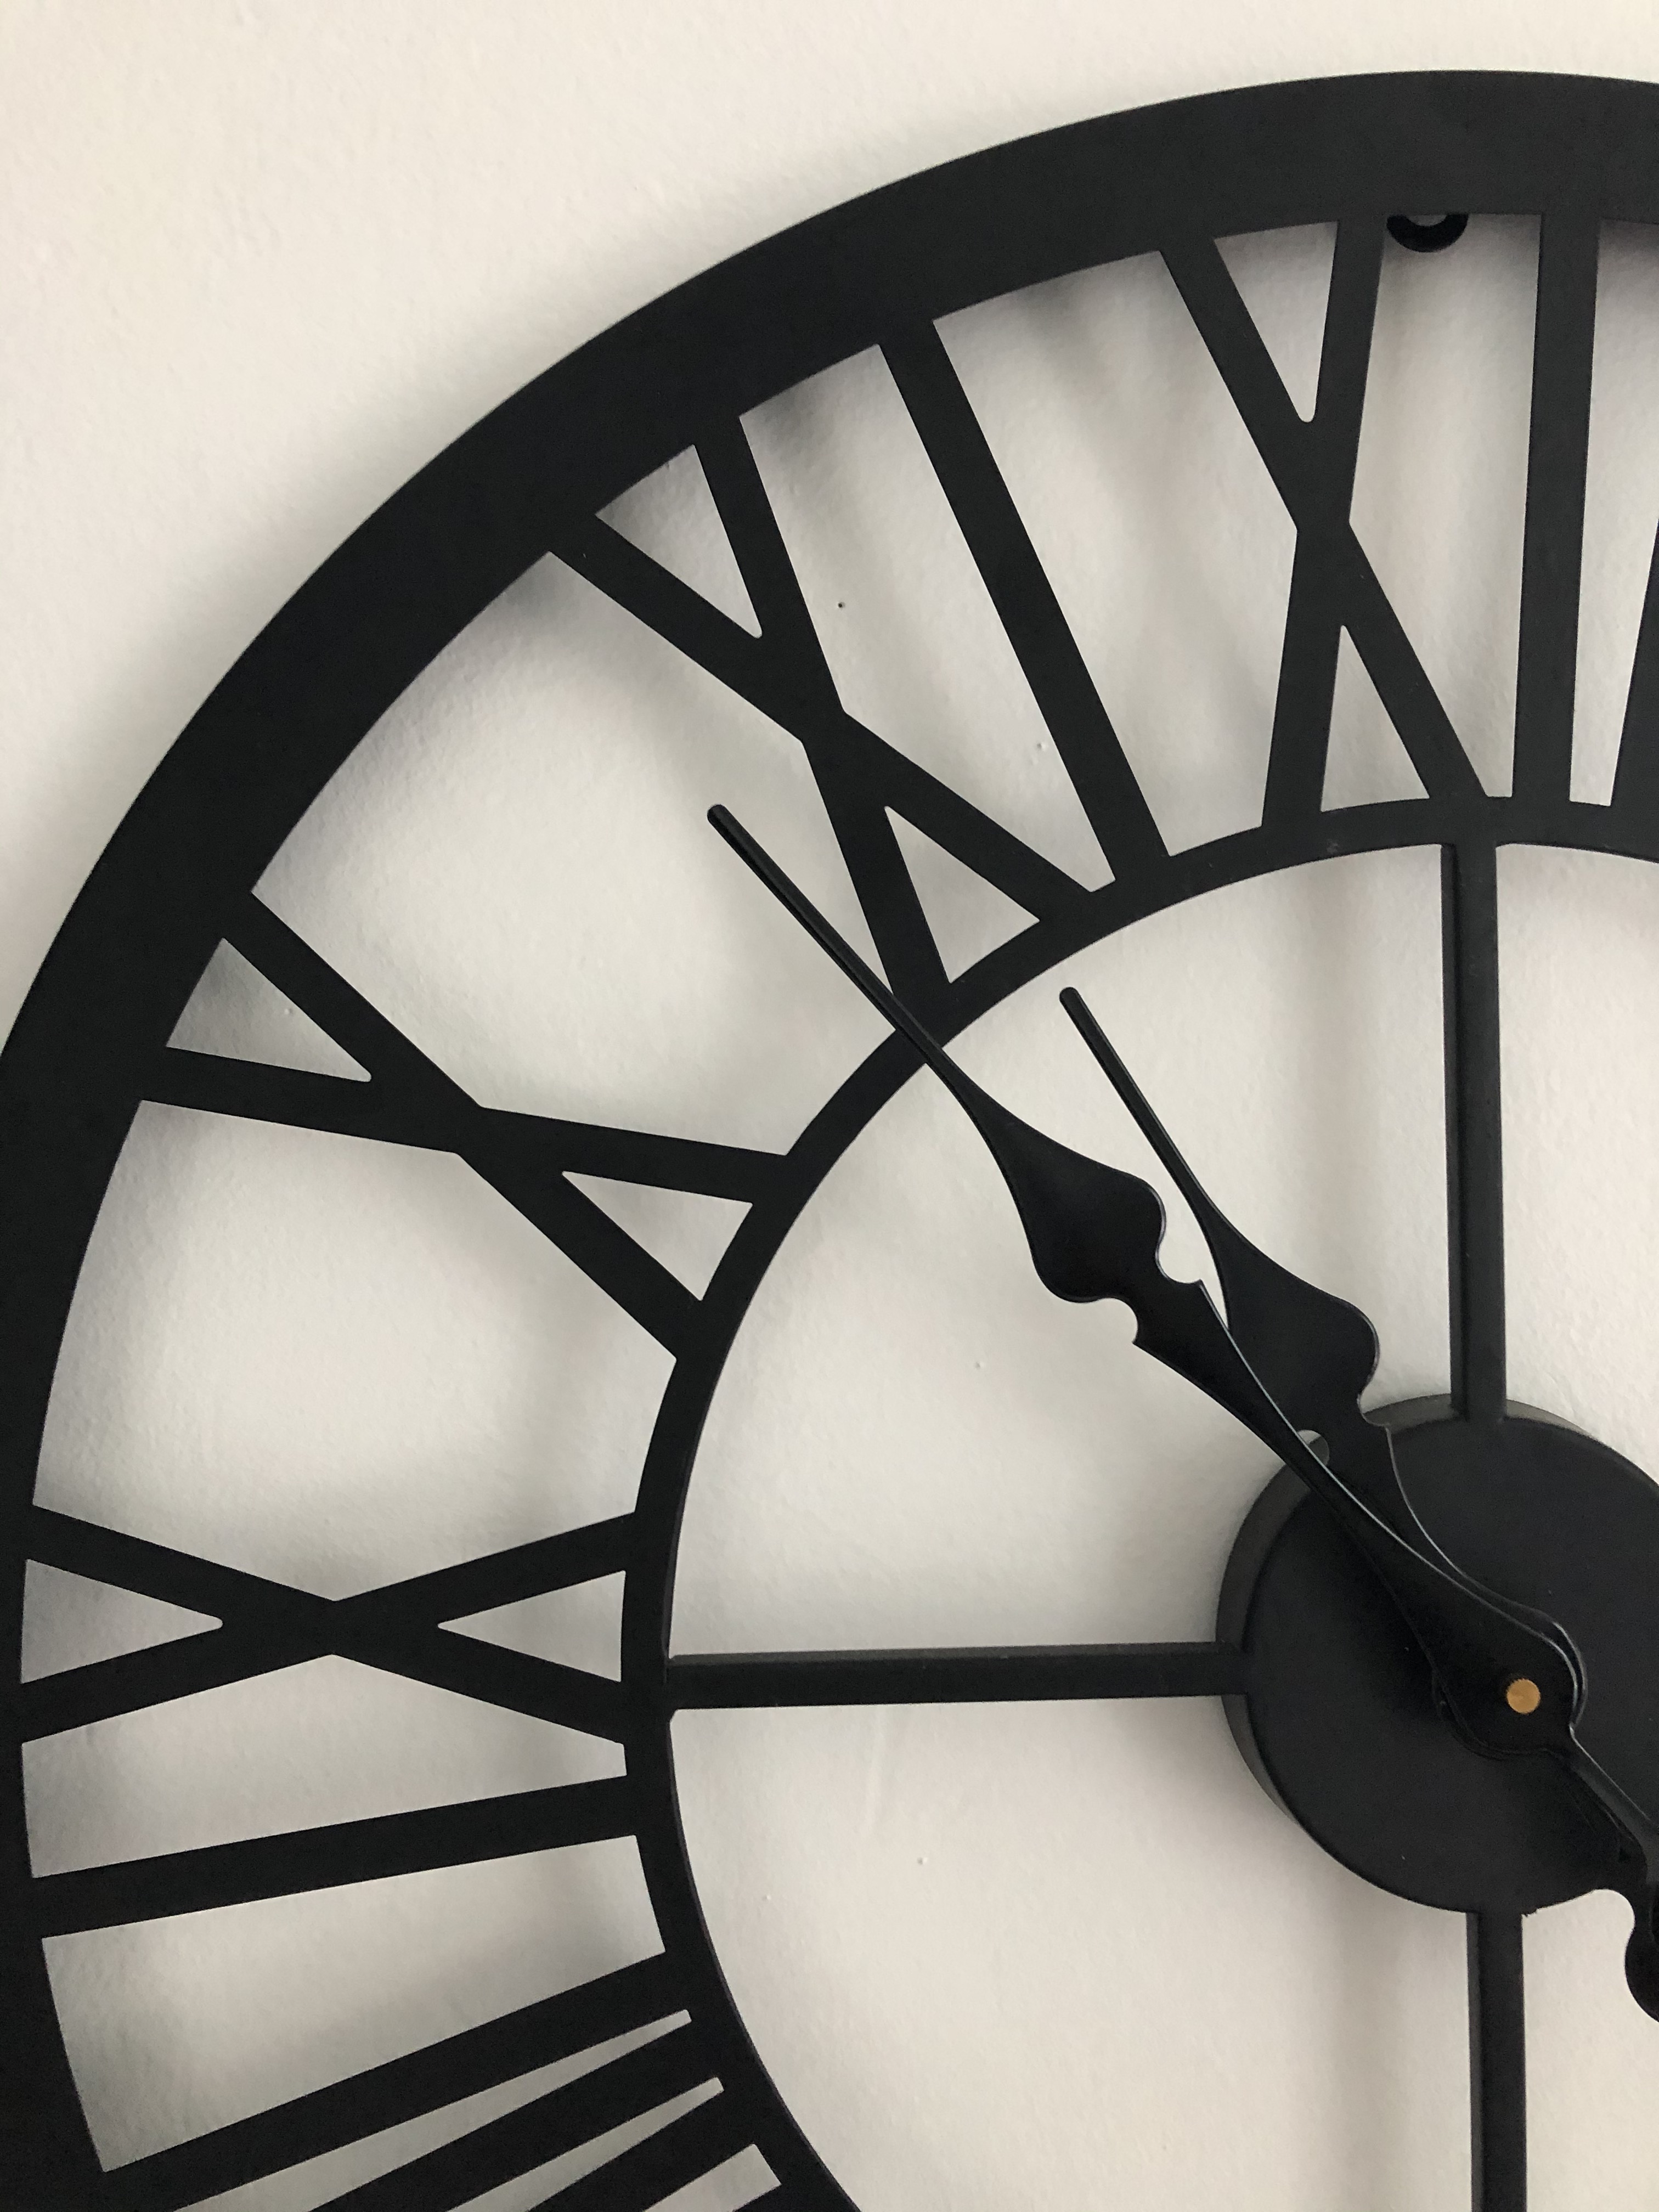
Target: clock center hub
1341,1724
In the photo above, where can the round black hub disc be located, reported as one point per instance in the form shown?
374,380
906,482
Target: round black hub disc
1340,1724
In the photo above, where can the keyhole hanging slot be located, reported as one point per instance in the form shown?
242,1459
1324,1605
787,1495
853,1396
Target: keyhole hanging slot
1427,237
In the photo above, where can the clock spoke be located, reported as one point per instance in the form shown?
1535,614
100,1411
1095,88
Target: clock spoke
1298,460
706,1681
1025,600
1553,543
1498,2062
866,775
1475,1163
269,1625
402,2089
1313,619
302,1859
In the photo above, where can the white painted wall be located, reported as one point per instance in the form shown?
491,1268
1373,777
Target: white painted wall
261,261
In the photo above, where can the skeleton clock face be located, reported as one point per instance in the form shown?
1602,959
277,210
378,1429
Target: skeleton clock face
644,1575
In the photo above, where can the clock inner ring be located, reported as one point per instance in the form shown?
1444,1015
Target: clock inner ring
1341,1724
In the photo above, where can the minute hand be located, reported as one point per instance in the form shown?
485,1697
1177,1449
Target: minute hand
1313,1352
1094,1232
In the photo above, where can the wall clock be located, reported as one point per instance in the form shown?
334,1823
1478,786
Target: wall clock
1428,1681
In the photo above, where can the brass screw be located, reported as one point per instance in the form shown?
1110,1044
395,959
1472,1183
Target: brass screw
1524,1695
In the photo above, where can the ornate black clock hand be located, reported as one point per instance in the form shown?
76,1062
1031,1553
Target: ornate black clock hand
1315,1353
1639,1837
1094,1232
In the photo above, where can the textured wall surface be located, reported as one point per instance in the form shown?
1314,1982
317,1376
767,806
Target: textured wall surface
261,261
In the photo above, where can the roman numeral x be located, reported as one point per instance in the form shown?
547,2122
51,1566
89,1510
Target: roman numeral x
1333,585
267,1624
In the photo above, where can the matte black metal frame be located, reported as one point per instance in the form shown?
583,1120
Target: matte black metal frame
91,1044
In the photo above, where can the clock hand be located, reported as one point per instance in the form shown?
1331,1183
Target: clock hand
1094,1232
1315,1353
1640,1855
1288,1353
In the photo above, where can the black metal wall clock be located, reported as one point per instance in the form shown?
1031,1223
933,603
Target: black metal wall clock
1435,1633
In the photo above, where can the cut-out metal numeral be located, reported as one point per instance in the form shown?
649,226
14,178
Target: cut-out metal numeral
562,2120
1025,600
863,828
267,1624
1553,546
1313,619
402,2089
783,673
1314,480
519,1156
301,1859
